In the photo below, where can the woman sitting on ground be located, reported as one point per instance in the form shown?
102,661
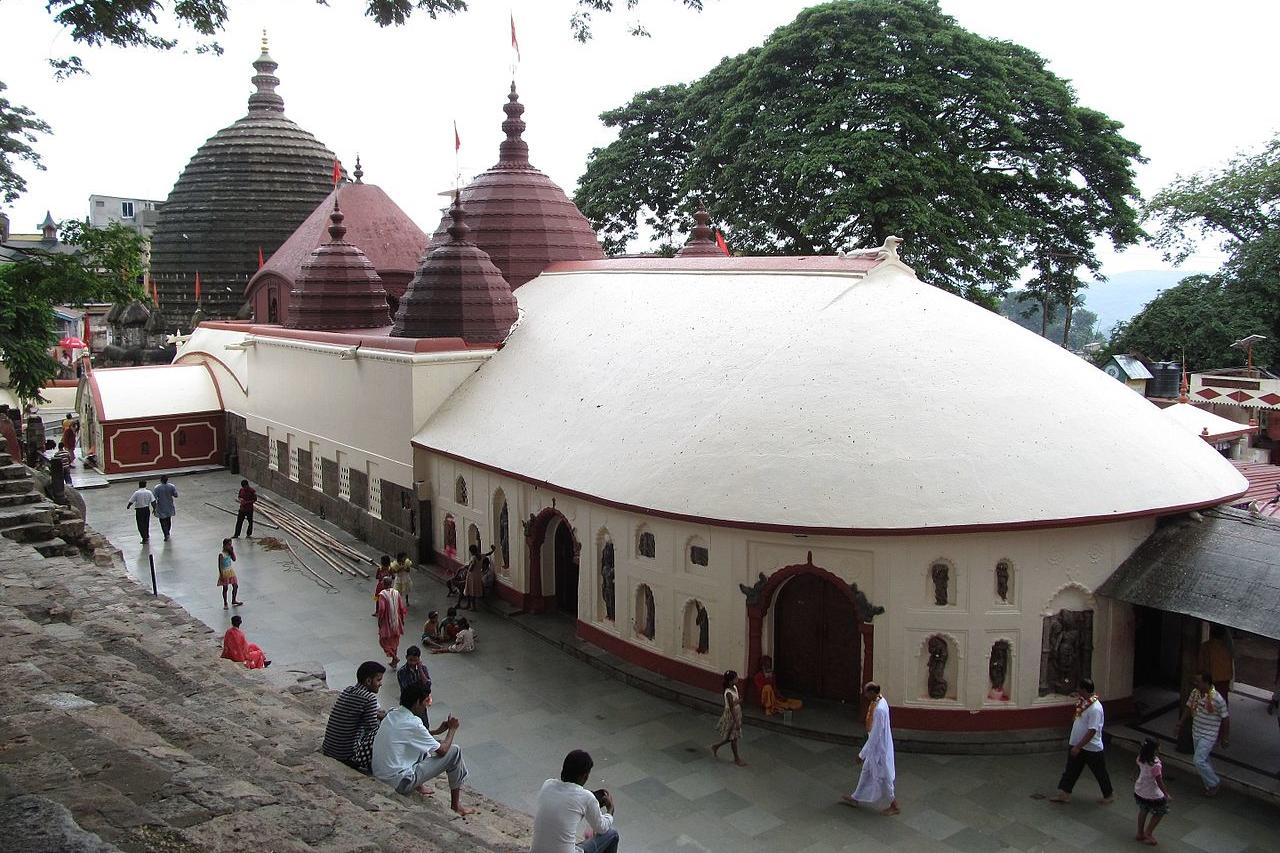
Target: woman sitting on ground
767,685
235,647
465,641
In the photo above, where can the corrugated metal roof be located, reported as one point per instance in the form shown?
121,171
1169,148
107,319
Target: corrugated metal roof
1225,569
1134,368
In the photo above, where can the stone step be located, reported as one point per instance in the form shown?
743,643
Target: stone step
13,471
33,532
19,498
43,512
11,487
55,548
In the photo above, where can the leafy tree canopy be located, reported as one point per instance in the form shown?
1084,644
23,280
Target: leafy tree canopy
105,268
869,118
18,129
1023,308
1238,206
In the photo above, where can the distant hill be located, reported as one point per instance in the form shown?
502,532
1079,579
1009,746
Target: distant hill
1124,294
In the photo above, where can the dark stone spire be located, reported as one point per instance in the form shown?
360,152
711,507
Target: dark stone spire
702,243
359,173
265,81
457,292
513,153
338,288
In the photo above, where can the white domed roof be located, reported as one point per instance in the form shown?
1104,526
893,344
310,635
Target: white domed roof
812,399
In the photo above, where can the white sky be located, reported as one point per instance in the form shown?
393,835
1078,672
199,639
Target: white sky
1191,83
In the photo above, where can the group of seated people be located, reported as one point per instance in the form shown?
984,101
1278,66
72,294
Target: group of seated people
451,635
399,748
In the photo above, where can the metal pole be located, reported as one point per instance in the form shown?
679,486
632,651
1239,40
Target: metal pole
152,560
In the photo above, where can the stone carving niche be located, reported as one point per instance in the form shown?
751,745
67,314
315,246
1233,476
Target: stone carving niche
998,671
1066,651
939,654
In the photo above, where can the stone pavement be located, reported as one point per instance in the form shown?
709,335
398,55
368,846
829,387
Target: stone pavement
523,704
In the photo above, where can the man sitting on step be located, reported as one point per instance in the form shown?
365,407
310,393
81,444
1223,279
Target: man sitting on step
406,755
353,722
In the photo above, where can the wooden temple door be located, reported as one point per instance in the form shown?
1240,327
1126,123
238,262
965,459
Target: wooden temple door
566,570
817,639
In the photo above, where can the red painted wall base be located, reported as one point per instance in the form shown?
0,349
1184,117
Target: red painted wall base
664,666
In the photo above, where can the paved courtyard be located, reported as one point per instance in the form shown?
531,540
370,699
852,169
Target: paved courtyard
523,704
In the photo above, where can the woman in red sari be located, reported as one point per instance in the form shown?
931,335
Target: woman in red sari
391,613
235,647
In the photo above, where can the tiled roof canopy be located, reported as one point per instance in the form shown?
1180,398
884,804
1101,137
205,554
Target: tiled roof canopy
518,215
457,293
248,187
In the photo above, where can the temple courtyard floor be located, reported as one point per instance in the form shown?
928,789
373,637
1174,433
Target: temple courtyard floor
523,704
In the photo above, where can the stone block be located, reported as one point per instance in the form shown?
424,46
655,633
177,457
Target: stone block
38,825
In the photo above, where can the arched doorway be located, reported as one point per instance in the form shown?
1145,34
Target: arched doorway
566,569
816,640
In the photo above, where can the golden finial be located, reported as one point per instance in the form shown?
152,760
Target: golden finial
264,41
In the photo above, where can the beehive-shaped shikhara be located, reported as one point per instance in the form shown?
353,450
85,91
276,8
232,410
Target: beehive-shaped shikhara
338,288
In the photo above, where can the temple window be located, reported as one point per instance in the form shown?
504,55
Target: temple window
697,628
646,617
646,544
608,575
450,536
460,491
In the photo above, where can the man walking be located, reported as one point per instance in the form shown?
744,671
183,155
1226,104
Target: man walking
141,504
878,774
1210,724
1086,747
247,497
165,509
564,803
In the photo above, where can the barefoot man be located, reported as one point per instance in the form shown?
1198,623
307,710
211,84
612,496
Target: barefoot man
877,774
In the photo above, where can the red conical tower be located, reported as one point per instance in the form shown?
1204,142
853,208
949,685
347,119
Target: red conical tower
458,292
338,288
702,242
518,215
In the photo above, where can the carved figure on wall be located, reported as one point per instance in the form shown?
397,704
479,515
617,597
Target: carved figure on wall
1002,580
998,671
753,592
941,573
938,654
866,610
1066,651
504,535
528,526
608,577
450,537
704,628
645,613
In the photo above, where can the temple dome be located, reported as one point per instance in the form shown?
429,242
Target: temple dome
518,215
247,188
457,293
337,287
702,242
385,233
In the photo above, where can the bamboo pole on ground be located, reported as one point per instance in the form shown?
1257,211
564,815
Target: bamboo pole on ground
232,512
302,563
315,545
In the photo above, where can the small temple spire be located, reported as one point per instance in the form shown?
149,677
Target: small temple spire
514,151
359,172
49,228
337,231
265,81
338,287
702,242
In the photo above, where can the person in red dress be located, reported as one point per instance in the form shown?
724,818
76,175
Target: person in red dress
235,647
391,613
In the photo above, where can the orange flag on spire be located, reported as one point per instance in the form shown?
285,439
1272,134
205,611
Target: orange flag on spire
337,172
260,261
724,247
197,287
515,43
457,140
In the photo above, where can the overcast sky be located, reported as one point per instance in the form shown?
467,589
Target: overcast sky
1192,83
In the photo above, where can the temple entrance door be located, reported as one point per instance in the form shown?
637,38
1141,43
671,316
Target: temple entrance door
817,641
566,572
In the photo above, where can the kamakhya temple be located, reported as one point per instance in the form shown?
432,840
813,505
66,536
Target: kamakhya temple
701,459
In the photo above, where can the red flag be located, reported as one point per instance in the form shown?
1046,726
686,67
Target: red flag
724,247
457,140
260,261
88,336
197,287
153,289
515,43
337,172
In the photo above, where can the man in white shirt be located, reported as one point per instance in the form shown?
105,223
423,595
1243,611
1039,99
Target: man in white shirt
564,803
405,755
141,504
1086,747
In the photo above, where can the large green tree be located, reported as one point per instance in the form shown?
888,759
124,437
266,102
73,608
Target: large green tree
18,129
1238,208
868,118
104,268
1025,308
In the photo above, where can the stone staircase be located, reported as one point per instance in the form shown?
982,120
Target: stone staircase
115,704
27,516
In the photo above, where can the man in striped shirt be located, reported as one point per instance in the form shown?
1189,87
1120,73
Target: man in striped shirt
353,722
1210,725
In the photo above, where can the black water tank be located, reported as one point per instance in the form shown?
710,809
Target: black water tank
1166,379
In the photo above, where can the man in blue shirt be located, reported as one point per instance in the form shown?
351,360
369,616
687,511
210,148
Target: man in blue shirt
165,510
